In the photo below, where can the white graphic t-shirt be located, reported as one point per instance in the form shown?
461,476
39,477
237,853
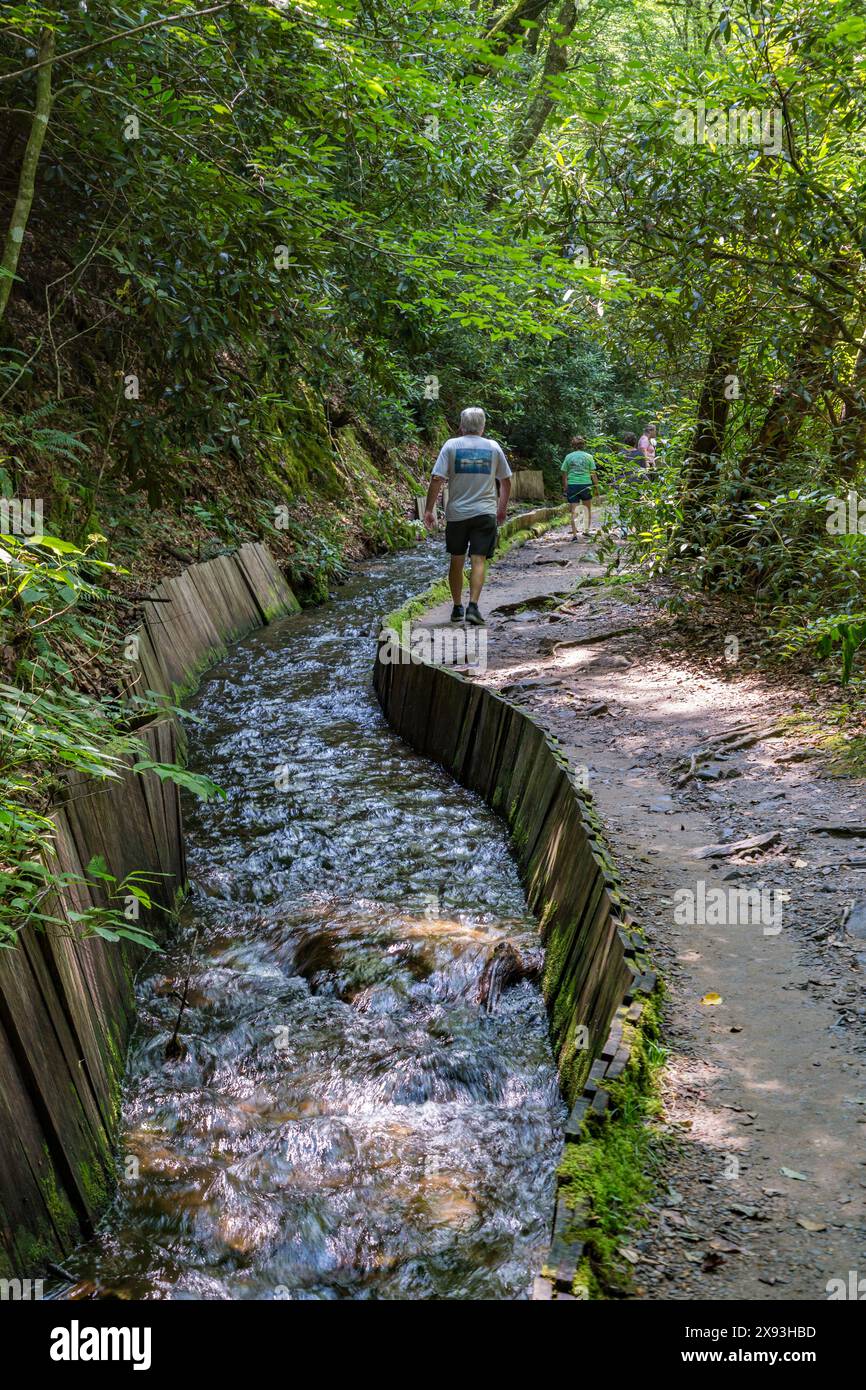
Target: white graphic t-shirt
471,463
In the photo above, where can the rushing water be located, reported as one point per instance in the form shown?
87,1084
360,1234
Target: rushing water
347,1120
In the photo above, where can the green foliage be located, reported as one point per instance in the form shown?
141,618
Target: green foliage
315,195
317,561
610,1173
843,633
384,532
194,782
30,433
54,636
771,550
109,922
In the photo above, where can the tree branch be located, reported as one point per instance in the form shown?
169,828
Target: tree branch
114,38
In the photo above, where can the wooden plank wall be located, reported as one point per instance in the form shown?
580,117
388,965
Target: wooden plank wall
67,1004
527,485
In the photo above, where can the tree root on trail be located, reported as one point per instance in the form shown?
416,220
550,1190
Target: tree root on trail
719,745
750,846
524,604
553,645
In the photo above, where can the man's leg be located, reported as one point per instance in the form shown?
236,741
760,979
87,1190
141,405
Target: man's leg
588,505
455,578
477,575
482,544
573,509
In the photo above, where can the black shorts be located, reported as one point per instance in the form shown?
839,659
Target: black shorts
477,534
578,492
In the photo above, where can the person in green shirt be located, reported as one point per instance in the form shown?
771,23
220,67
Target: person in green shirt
579,482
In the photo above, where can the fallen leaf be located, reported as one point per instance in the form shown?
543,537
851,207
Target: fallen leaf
809,1225
711,998
792,1173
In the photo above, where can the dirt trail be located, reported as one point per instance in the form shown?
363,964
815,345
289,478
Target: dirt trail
772,1078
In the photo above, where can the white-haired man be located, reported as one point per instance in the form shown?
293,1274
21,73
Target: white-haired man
470,464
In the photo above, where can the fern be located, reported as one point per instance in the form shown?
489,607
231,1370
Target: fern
26,433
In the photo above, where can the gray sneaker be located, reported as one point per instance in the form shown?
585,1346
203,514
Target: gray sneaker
457,613
473,616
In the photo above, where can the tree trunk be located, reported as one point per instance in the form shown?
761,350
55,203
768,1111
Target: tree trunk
714,406
811,375
27,177
510,23
848,446
555,63
719,389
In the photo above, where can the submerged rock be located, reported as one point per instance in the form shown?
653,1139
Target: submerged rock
506,967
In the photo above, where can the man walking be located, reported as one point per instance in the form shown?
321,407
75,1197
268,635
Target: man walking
471,465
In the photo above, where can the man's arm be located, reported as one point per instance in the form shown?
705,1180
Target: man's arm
503,477
433,491
504,494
